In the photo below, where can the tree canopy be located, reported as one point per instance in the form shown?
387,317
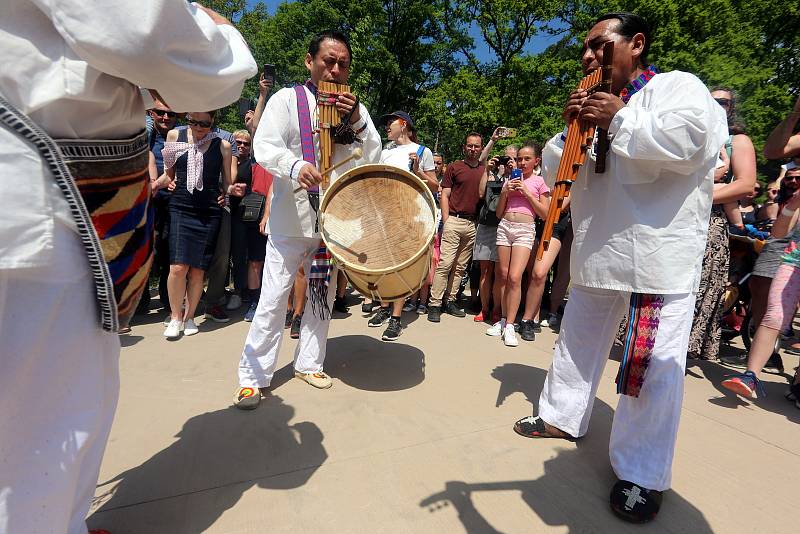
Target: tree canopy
424,56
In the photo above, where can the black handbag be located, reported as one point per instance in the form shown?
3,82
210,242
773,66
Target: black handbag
252,207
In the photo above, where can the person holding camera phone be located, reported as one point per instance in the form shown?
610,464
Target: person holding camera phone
524,197
406,154
497,172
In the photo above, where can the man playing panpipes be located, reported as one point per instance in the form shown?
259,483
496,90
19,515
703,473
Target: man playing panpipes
286,143
640,231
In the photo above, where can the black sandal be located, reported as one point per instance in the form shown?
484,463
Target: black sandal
534,426
634,503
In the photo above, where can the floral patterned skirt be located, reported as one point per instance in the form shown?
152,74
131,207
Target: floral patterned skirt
707,325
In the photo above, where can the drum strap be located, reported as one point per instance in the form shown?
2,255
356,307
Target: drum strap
319,276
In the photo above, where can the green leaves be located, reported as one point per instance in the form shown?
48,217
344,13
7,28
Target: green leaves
422,56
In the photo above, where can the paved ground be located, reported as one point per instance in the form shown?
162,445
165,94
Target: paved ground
414,437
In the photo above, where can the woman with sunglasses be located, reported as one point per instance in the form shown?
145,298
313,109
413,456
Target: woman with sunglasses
737,183
524,197
404,152
194,159
248,241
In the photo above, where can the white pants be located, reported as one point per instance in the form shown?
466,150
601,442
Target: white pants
59,383
645,428
260,354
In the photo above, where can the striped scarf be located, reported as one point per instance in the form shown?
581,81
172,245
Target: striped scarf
644,315
194,166
319,276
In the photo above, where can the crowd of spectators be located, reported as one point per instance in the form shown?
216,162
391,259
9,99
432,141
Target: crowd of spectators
491,205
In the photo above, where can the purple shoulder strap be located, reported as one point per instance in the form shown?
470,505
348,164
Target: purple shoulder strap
306,131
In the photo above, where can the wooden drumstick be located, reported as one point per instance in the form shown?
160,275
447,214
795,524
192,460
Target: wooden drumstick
355,154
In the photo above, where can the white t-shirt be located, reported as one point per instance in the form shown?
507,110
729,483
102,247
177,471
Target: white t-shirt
398,156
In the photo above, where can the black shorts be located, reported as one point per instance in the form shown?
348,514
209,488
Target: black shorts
560,228
256,243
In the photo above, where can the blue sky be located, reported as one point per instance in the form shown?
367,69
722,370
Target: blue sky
482,51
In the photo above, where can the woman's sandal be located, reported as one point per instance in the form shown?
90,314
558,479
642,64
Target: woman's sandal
534,426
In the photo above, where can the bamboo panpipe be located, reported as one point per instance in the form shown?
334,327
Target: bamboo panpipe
329,118
580,135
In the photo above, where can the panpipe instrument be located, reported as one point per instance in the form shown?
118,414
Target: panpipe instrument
329,120
579,138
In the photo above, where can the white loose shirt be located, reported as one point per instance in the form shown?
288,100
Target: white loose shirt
397,156
277,148
73,66
641,226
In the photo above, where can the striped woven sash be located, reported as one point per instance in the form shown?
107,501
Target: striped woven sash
106,186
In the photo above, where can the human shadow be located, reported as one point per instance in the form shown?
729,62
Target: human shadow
217,457
564,496
370,364
574,489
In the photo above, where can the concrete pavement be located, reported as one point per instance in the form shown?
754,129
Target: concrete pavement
414,437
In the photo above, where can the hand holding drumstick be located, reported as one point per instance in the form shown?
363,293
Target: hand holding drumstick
309,176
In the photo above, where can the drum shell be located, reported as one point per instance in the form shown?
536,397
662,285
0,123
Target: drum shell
401,278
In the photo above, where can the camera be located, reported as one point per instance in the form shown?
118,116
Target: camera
503,160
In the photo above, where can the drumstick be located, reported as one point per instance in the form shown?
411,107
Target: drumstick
357,153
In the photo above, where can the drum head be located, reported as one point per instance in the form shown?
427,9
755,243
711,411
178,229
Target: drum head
378,217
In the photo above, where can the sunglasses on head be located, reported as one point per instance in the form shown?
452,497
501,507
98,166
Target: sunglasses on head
202,124
724,102
243,143
164,113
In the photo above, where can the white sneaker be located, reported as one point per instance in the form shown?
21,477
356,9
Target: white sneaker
173,329
496,329
189,328
234,303
510,336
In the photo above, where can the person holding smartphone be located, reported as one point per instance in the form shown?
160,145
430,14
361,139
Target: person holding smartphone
524,197
418,159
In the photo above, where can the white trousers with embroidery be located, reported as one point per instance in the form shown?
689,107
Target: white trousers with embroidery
59,383
284,257
645,428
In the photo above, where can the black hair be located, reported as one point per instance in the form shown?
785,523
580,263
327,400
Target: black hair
735,126
533,145
629,25
784,193
316,41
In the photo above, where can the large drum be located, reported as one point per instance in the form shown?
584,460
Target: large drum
379,221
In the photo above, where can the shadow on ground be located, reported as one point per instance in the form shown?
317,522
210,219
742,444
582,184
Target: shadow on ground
217,457
574,489
369,364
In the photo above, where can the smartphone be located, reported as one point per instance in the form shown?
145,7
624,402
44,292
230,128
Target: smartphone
507,132
244,106
269,72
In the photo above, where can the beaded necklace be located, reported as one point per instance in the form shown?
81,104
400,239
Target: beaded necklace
636,84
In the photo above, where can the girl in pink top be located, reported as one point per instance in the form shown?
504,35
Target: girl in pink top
521,200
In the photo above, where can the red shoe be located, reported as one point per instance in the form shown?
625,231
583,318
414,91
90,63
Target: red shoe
480,317
99,531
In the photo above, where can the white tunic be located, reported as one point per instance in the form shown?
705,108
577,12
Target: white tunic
277,148
641,226
73,66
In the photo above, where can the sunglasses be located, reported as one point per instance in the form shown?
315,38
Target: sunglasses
164,113
243,143
724,102
202,124
791,178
